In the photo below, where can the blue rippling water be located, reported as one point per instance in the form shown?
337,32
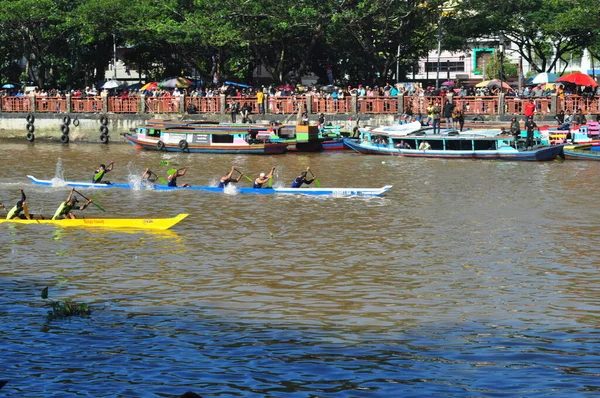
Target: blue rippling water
164,355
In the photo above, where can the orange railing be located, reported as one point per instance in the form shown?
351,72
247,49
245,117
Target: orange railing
377,105
571,103
472,105
418,104
50,104
162,104
251,101
284,105
86,105
478,105
123,105
331,105
16,104
203,104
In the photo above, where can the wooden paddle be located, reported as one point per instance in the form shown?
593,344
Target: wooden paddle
317,183
244,175
94,203
162,180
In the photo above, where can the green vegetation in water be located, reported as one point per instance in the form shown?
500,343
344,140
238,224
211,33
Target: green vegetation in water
64,309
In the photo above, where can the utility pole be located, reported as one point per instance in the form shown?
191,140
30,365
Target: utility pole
398,65
439,52
114,57
501,47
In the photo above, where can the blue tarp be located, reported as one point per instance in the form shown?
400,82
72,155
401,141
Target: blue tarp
237,84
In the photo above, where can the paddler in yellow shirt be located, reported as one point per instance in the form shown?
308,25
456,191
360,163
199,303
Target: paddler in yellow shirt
19,210
100,173
65,209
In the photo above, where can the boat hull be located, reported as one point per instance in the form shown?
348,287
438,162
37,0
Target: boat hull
111,223
581,152
338,192
539,154
254,149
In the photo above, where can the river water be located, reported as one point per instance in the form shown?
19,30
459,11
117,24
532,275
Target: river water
467,279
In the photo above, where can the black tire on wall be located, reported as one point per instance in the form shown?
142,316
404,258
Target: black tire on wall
30,137
64,139
66,120
183,145
30,118
64,129
104,138
30,128
103,129
104,120
160,145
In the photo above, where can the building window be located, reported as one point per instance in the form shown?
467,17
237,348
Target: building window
448,66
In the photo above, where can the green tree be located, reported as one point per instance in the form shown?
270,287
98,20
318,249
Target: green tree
543,30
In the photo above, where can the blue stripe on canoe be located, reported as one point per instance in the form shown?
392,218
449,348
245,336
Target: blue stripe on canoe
244,190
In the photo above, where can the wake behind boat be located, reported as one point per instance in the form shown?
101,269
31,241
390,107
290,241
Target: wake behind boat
112,223
338,192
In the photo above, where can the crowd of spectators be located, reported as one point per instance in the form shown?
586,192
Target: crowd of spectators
327,91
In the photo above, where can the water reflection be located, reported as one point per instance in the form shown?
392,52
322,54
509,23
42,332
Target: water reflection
468,278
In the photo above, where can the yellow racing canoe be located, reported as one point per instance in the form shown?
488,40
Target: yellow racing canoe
137,223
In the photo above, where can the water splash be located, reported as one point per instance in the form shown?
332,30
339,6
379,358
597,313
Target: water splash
59,175
230,189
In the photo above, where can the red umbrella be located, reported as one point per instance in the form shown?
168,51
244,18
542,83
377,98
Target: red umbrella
578,78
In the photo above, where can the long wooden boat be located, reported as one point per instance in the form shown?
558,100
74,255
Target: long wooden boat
113,223
202,140
582,152
338,192
202,136
452,146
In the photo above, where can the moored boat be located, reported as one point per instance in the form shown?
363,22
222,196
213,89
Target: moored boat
338,192
210,137
112,223
201,138
582,152
452,146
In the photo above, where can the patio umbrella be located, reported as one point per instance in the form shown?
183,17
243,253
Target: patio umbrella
135,86
149,86
176,82
544,77
449,83
111,84
492,83
578,78
9,85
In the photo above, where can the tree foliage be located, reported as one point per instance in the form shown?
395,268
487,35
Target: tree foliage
70,43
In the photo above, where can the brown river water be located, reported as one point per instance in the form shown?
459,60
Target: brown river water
467,278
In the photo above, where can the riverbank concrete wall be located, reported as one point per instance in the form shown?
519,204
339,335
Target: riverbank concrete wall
86,127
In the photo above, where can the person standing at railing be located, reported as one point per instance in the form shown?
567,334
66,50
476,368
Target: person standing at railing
430,109
437,116
448,110
260,101
529,109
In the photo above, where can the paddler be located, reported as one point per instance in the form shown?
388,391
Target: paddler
263,179
173,174
65,208
149,176
228,179
19,210
301,179
100,173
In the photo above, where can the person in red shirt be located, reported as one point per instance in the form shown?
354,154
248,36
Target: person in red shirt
529,109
